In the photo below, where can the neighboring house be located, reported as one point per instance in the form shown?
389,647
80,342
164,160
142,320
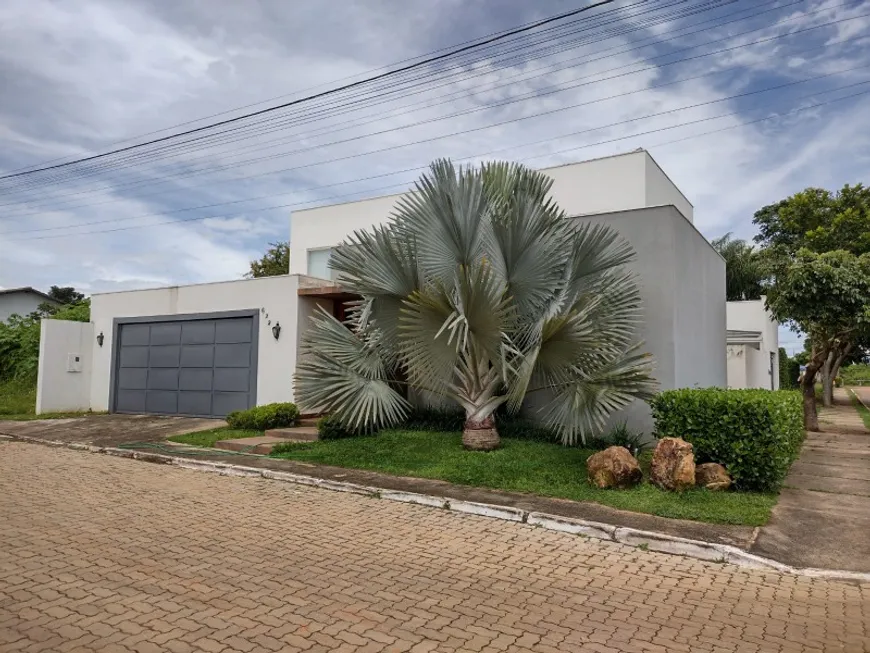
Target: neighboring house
752,347
22,301
210,348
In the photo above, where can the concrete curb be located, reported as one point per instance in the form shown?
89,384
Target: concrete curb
648,540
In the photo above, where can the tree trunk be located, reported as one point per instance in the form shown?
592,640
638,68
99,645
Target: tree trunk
480,435
827,380
808,389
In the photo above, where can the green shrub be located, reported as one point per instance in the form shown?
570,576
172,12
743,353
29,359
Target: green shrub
453,421
789,371
260,418
755,434
620,436
329,428
856,374
434,419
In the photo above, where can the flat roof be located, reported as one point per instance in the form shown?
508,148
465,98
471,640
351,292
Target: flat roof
639,150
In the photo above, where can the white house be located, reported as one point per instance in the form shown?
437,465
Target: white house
22,301
207,349
752,346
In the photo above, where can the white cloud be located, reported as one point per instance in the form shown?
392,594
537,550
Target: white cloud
80,79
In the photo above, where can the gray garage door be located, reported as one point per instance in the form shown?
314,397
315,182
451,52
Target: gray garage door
186,367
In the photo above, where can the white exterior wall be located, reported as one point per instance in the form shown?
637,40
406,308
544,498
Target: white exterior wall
661,191
698,284
616,183
19,303
275,298
736,355
682,286
752,316
64,384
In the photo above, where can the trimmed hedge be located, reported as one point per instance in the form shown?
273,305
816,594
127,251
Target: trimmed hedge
260,418
755,434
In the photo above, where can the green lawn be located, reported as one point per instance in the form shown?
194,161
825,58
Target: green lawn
208,438
18,402
524,466
862,410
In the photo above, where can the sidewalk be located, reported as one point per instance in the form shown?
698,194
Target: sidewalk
823,515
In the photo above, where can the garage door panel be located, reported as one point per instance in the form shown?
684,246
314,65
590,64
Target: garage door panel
132,378
130,401
135,334
164,356
163,379
194,403
197,332
226,402
166,334
232,355
186,366
134,357
232,379
161,401
195,379
197,356
231,331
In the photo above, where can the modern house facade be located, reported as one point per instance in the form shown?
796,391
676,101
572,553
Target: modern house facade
752,346
209,348
22,301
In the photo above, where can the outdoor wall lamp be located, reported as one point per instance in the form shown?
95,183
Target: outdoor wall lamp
276,330
100,338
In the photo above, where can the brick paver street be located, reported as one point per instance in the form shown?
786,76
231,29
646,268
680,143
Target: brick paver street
106,554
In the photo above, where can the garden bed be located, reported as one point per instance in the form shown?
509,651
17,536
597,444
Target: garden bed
534,467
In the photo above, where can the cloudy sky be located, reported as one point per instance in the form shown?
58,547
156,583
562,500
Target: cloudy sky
78,78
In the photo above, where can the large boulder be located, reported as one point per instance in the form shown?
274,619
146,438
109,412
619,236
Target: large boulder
613,467
673,465
712,476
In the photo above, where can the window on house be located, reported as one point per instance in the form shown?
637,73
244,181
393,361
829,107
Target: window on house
318,263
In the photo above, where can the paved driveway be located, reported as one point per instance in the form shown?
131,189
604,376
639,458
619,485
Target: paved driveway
106,554
108,430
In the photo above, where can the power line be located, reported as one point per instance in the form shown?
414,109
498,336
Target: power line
332,91
98,167
320,146
571,149
611,97
497,151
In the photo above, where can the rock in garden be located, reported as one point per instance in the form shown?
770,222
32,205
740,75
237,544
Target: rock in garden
673,465
712,476
613,467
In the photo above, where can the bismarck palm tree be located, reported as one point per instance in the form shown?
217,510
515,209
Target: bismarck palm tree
480,291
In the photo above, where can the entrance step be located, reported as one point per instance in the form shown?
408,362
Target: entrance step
307,421
259,445
295,433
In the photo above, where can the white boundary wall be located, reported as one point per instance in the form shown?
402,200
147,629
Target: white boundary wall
65,366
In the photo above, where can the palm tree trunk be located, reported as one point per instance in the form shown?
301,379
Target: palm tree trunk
480,435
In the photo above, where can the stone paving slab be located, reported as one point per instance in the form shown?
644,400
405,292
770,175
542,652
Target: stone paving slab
120,556
822,518
108,430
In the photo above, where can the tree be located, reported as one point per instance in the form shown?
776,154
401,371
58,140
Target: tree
65,294
480,291
818,220
827,296
744,272
275,261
